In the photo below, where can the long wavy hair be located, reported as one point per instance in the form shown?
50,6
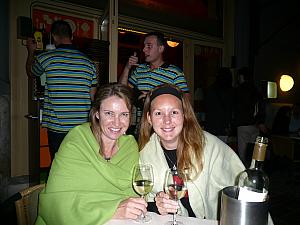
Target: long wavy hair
191,139
103,92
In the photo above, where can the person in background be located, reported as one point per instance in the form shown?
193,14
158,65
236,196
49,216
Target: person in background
282,121
294,125
170,136
249,114
90,180
219,105
70,84
153,72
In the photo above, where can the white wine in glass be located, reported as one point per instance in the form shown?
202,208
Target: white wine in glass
142,182
175,187
176,191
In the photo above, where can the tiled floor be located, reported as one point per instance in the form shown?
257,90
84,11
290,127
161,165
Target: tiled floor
284,191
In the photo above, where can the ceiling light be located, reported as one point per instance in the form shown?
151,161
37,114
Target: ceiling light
286,82
130,30
172,43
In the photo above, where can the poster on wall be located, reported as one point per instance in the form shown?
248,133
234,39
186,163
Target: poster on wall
81,27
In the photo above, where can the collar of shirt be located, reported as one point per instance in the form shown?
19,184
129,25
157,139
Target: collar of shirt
164,65
66,46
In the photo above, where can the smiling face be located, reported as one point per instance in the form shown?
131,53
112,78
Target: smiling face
114,118
152,50
166,117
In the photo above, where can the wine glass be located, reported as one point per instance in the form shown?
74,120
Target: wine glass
143,183
175,187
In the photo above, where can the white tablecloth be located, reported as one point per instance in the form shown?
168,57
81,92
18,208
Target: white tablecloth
160,220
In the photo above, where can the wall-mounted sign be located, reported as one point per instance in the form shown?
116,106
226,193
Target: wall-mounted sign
80,27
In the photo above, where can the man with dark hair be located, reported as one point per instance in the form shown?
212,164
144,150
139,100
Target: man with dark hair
154,72
62,29
159,36
70,83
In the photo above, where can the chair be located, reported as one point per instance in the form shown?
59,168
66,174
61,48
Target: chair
27,206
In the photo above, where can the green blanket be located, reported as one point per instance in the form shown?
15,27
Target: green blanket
83,188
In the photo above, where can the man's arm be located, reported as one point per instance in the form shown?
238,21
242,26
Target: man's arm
93,92
31,46
132,61
124,76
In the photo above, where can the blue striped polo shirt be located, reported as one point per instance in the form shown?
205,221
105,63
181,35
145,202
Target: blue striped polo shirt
145,78
70,75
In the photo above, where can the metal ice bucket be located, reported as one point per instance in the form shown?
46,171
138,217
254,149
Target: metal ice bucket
237,212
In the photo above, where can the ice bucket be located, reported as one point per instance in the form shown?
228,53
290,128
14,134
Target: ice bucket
237,212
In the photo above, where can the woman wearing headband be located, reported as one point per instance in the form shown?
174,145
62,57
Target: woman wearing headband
170,136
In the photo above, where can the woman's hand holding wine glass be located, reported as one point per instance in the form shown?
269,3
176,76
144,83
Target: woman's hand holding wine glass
130,208
143,183
175,187
164,204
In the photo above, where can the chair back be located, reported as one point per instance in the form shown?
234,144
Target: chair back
27,206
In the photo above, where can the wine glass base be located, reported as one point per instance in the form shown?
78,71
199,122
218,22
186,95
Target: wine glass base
172,223
144,219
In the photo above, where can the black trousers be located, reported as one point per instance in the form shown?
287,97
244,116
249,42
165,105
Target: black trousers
54,141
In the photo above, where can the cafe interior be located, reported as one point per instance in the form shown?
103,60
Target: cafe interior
202,36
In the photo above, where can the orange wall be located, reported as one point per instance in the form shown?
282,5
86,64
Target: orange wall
45,159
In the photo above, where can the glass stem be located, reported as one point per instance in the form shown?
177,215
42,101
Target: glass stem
174,216
143,215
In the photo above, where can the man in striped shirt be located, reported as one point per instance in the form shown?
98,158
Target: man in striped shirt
70,84
154,72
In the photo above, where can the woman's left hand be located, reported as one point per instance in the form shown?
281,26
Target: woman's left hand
164,204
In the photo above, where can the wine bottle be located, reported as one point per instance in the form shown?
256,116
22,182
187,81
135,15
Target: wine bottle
253,182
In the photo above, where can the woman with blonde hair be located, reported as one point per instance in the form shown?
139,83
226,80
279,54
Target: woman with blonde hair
90,179
171,138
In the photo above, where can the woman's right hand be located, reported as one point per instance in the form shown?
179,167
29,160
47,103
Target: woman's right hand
131,208
164,204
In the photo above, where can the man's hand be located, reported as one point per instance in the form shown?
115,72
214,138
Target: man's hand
30,45
132,61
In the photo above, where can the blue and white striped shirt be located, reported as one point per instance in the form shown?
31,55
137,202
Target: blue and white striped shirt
145,78
70,76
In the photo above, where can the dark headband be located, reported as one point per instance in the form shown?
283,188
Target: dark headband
165,90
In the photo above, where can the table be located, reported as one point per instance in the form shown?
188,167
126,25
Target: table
287,146
160,220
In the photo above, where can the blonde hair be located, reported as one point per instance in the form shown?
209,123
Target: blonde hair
191,139
103,92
